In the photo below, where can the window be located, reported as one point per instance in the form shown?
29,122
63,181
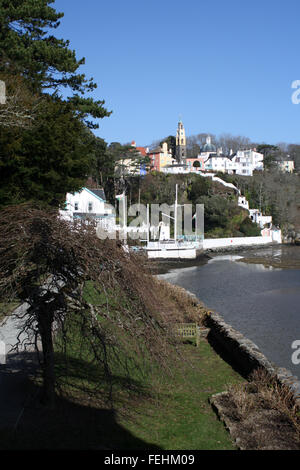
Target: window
76,205
90,206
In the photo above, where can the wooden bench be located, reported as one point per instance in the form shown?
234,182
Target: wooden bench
191,330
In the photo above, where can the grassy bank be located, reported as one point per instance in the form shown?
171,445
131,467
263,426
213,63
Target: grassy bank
179,416
147,405
150,406
163,412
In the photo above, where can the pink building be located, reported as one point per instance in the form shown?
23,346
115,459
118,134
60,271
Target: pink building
195,164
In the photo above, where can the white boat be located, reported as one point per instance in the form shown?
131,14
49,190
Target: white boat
172,248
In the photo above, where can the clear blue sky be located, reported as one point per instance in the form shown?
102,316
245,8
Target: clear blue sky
224,66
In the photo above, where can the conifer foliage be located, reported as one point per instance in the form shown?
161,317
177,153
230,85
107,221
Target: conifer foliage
44,138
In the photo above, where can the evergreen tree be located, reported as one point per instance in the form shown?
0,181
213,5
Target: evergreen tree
44,162
28,48
46,149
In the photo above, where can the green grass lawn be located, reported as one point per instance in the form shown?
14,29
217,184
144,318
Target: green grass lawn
151,407
179,416
166,411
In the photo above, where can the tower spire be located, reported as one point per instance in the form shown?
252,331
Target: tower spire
180,143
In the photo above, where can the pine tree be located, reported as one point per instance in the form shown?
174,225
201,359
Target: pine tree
45,144
42,163
28,48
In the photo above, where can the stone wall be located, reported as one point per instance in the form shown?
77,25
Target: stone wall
247,355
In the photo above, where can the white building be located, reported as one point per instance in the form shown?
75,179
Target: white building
242,202
211,159
260,219
244,162
89,204
177,169
264,221
217,162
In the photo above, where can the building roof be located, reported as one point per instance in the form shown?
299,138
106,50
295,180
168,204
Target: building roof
142,151
208,148
215,155
99,193
156,150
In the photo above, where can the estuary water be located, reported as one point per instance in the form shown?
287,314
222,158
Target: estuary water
256,292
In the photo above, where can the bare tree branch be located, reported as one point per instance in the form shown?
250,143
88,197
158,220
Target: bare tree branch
18,107
48,264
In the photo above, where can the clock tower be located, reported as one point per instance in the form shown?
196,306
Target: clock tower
180,143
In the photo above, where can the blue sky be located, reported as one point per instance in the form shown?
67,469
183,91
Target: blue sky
224,66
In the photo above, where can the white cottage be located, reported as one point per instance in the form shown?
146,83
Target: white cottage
89,204
260,219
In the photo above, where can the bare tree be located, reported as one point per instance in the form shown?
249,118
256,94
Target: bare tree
230,142
48,264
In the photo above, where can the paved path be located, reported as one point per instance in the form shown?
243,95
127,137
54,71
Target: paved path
14,383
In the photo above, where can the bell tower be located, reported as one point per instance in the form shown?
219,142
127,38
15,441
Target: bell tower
180,143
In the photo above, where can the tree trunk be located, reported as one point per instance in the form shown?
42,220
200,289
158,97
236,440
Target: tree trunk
45,321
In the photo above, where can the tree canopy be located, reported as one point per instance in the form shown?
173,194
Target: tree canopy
46,148
28,49
44,162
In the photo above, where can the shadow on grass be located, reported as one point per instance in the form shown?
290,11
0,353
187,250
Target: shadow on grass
243,369
79,420
89,376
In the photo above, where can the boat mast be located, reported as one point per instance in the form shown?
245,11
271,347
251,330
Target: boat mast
148,224
175,215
